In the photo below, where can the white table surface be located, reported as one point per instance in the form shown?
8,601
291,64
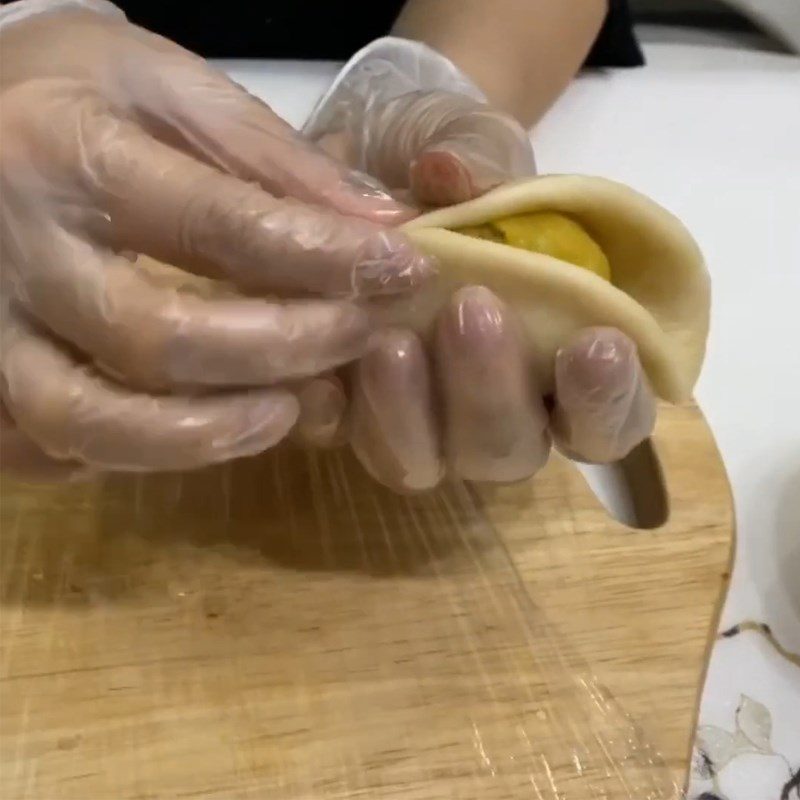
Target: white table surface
714,135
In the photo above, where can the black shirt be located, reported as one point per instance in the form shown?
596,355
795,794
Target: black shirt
320,29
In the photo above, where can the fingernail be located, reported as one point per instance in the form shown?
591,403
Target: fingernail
598,365
477,317
441,177
394,432
262,425
390,264
367,185
322,406
468,166
369,198
391,351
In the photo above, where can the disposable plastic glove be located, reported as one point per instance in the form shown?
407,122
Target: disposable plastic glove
469,401
116,142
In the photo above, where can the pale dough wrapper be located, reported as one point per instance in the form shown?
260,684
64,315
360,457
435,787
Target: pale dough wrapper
660,290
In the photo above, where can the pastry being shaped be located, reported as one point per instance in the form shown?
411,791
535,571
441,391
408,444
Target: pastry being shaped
566,252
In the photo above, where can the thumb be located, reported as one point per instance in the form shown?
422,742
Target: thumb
472,149
469,154
444,147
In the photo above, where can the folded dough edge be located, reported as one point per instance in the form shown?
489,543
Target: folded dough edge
660,295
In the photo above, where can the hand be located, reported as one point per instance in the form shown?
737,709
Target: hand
469,402
116,143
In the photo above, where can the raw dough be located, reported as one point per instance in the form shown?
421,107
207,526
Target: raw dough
660,290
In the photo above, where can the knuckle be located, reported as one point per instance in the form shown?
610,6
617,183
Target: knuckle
220,211
105,155
152,322
145,351
62,130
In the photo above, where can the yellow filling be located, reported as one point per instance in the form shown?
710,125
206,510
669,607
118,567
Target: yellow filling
549,233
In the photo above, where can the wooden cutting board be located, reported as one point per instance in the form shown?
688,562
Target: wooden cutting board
281,628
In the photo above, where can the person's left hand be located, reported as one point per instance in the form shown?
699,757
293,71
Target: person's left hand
468,402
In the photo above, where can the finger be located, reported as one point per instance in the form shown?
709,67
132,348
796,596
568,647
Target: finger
496,425
142,195
446,147
231,229
204,112
470,155
323,404
393,428
72,414
604,406
149,327
23,459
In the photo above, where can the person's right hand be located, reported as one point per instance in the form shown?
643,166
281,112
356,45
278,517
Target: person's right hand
469,400
116,142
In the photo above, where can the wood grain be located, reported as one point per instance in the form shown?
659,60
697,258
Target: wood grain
281,628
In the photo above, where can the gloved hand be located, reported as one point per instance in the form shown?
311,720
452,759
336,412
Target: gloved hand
469,401
116,142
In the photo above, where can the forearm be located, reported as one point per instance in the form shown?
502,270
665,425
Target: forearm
521,53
